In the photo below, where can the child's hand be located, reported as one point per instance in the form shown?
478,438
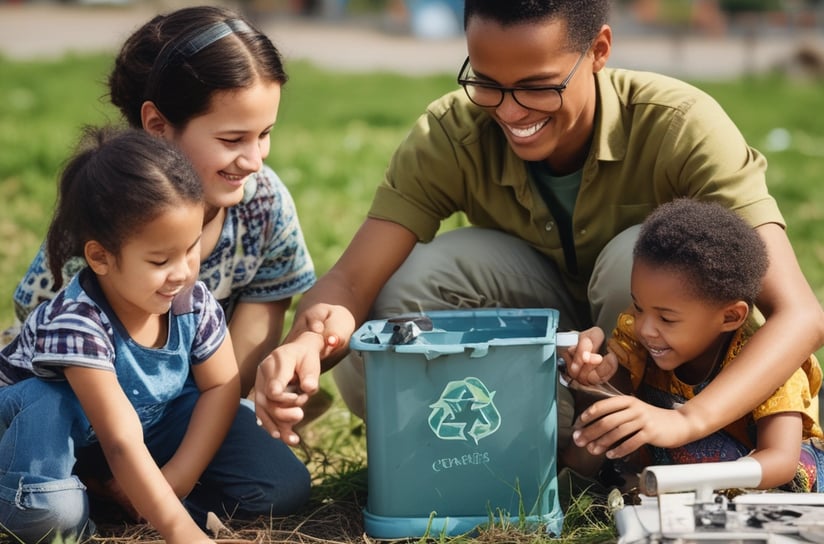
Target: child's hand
289,375
585,364
620,425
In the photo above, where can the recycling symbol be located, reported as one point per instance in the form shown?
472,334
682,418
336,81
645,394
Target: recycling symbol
464,409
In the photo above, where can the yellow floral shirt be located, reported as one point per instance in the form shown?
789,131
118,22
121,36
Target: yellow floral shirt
794,396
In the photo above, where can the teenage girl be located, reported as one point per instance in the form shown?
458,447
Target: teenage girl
205,79
109,358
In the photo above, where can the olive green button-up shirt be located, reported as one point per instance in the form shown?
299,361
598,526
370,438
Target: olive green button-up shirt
655,138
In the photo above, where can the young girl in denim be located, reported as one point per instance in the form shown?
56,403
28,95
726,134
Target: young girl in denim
108,359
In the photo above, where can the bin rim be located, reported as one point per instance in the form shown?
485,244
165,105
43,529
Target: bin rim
445,349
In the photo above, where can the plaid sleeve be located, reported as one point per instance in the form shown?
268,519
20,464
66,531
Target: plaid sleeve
76,334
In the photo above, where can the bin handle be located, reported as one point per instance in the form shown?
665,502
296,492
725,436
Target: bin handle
480,350
475,350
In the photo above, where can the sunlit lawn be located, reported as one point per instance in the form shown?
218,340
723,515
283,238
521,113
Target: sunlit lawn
331,144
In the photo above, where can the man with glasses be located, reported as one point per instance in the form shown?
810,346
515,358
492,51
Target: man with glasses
555,160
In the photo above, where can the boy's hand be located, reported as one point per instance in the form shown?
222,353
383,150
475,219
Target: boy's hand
585,364
620,425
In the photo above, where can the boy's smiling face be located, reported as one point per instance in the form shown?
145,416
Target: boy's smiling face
680,329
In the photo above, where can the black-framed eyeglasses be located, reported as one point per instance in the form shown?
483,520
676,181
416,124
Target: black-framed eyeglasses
546,98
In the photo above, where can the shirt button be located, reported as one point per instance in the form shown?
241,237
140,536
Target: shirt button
583,231
548,226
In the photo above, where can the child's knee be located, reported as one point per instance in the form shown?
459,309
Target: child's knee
43,511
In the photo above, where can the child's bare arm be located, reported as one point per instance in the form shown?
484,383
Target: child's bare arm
219,384
779,448
121,436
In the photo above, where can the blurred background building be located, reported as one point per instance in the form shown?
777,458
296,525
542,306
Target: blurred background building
755,24
713,39
442,18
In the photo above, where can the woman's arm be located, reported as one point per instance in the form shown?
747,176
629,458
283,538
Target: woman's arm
217,379
121,436
256,329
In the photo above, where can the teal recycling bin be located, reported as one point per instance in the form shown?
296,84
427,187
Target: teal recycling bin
461,421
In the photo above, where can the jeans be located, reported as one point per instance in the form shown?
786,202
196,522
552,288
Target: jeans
44,431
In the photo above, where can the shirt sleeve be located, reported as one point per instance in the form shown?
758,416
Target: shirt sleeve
37,285
286,268
71,335
211,324
708,158
453,159
796,396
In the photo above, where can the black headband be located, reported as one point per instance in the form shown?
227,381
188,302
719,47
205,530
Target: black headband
190,45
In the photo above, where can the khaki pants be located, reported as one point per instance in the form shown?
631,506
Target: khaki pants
481,268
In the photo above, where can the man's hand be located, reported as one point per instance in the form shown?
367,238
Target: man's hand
289,375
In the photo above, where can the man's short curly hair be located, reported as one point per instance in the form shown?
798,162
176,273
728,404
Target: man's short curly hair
584,18
722,257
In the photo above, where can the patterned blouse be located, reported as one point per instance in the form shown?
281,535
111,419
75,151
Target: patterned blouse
260,256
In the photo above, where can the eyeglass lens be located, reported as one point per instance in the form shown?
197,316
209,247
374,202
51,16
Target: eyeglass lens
490,97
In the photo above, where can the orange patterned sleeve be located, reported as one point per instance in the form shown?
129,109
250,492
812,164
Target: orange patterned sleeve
630,353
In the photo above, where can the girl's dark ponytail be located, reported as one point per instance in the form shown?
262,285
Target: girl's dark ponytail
118,181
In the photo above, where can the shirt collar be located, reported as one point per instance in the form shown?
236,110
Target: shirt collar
610,140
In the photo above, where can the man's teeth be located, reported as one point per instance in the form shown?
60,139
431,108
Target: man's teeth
528,131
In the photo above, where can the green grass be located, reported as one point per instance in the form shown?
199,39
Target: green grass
331,144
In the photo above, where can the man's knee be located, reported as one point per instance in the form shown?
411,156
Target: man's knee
609,286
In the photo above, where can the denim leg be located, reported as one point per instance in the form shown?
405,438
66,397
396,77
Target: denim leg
809,477
251,475
39,497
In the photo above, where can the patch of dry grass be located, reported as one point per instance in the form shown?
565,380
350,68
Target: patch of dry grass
334,448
